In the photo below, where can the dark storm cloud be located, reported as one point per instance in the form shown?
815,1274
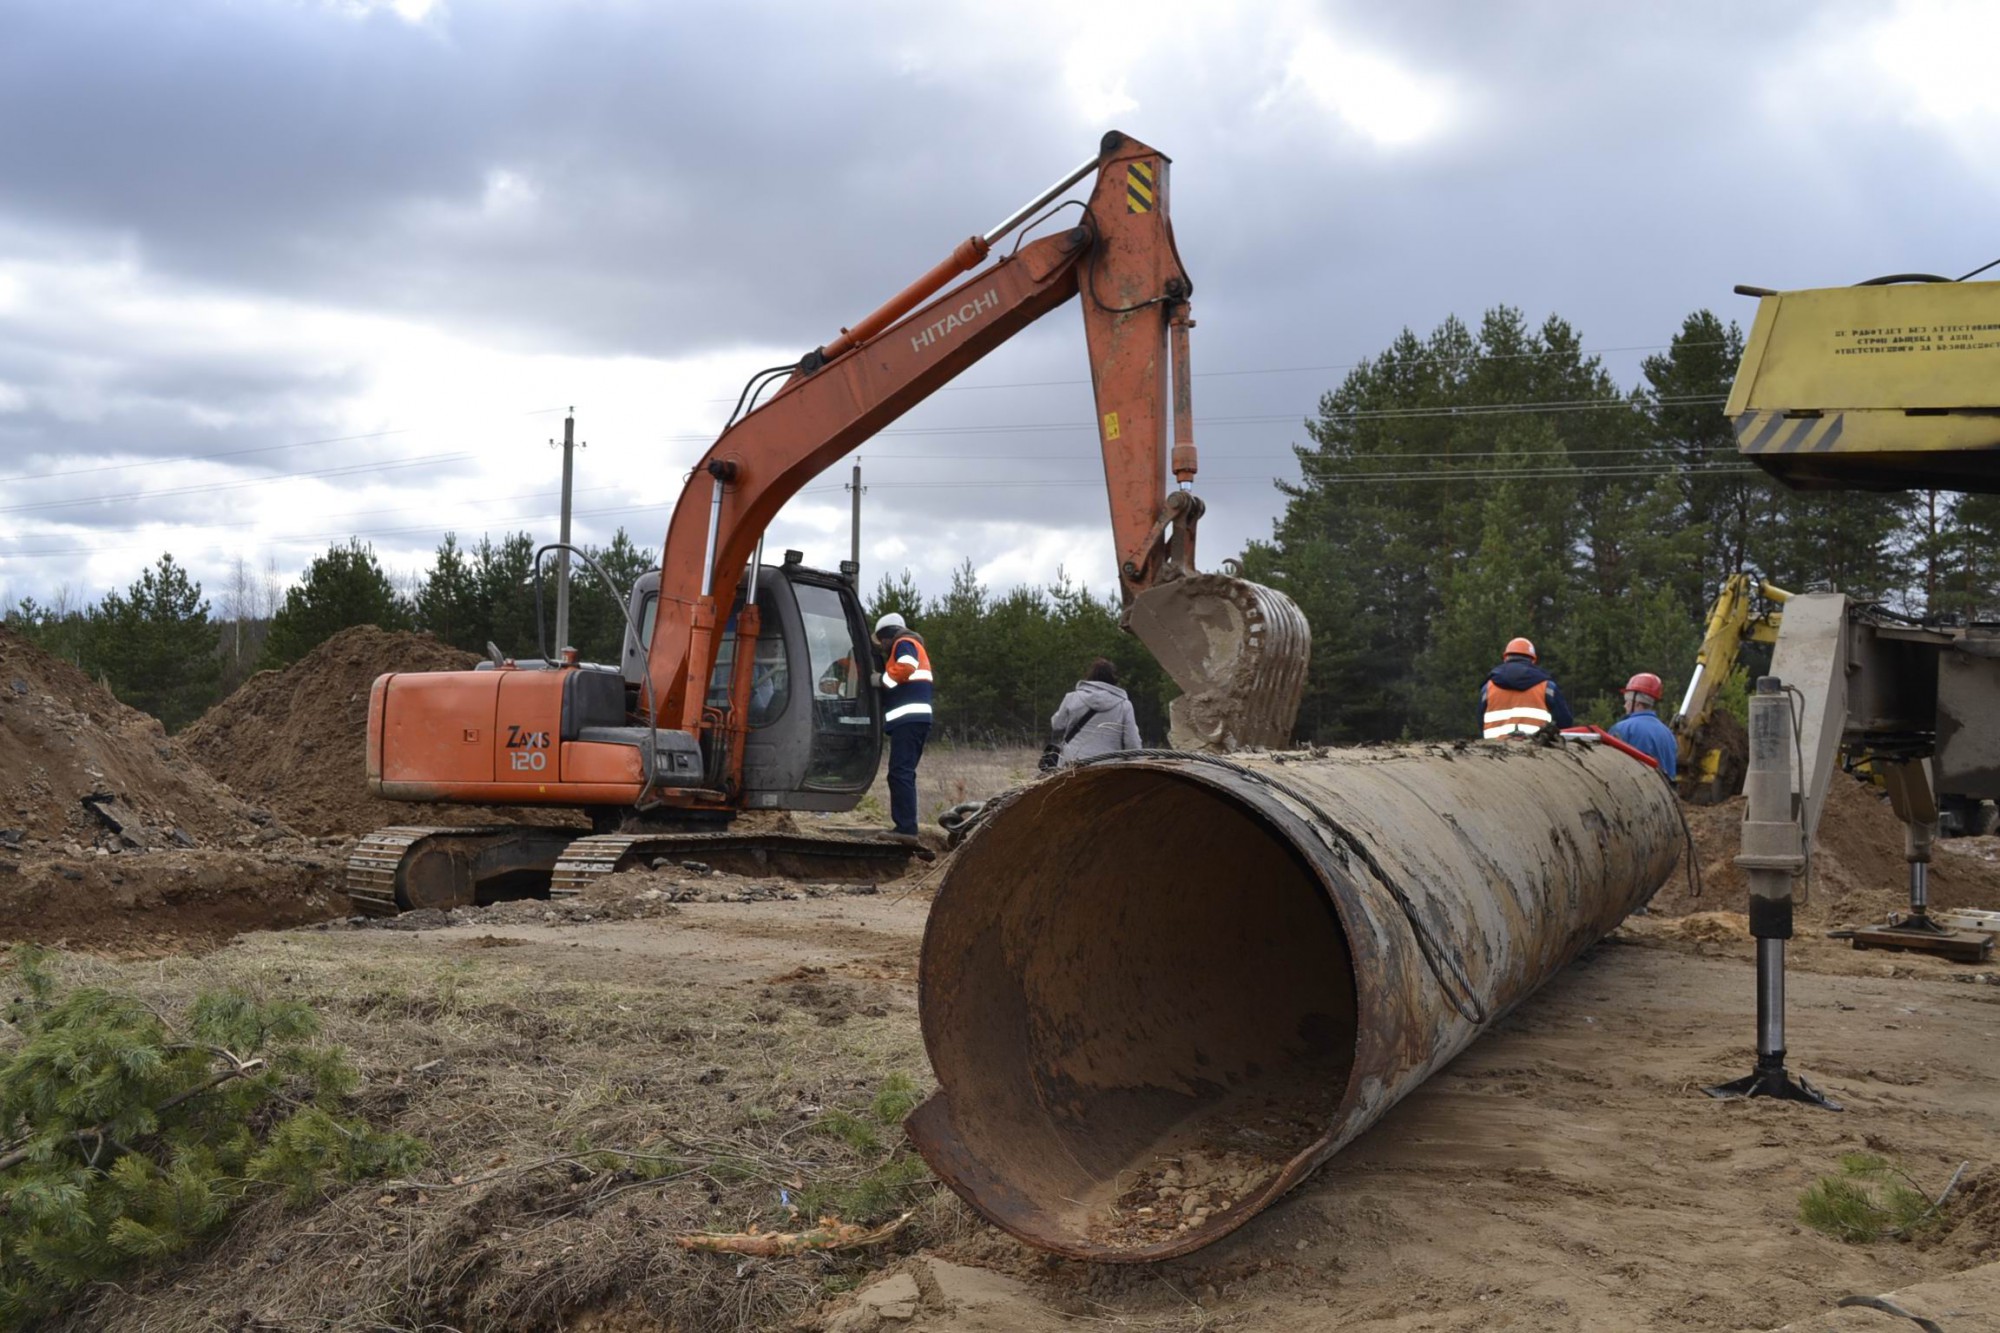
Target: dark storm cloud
618,180
684,165
692,176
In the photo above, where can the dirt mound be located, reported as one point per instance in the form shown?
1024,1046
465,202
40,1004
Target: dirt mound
1858,871
1707,927
1970,1225
78,766
296,740
165,902
1724,733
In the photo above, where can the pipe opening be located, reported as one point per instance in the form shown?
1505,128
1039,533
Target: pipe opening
1143,1006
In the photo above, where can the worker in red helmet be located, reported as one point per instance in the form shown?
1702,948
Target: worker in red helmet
1518,698
1641,727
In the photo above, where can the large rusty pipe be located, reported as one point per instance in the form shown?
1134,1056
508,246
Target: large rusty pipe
1158,990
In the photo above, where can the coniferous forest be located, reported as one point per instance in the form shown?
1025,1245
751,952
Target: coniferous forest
1457,489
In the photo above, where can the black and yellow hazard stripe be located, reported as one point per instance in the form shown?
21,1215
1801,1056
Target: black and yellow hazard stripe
1139,188
1774,432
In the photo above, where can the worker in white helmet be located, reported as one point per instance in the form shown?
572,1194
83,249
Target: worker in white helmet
906,714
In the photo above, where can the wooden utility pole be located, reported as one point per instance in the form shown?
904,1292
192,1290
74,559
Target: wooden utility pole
562,556
854,535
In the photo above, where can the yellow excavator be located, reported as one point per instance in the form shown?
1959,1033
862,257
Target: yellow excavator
1892,384
1710,744
1889,385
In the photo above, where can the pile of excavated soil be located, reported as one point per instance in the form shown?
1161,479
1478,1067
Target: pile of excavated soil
296,740
113,837
1723,732
159,903
1858,871
78,767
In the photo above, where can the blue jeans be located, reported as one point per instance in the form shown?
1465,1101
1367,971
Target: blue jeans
906,747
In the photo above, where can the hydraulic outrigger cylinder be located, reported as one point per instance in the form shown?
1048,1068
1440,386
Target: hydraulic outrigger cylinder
1773,855
1159,989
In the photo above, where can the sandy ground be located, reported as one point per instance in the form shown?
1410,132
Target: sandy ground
1565,1173
1568,1173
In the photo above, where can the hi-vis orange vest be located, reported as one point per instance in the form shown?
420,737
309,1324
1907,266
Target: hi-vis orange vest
906,681
1516,712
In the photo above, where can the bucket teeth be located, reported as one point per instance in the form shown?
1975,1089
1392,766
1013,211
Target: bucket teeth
1239,652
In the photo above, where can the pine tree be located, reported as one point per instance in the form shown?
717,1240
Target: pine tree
506,573
597,612
449,605
900,596
343,588
1852,541
156,645
1734,509
1517,580
1969,585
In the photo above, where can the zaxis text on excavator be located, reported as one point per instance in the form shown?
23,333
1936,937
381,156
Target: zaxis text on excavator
732,694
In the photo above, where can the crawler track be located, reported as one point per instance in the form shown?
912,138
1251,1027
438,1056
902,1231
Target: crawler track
406,867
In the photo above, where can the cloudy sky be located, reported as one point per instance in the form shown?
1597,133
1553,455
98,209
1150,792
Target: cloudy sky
275,272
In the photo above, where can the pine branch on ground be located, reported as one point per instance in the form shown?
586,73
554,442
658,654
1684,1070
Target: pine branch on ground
126,1137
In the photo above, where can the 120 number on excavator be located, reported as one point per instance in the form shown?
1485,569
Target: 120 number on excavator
527,751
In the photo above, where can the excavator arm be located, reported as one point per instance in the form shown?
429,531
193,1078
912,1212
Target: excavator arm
1733,620
1219,638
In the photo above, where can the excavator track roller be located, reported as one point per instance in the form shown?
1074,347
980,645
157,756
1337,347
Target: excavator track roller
840,859
1239,652
410,867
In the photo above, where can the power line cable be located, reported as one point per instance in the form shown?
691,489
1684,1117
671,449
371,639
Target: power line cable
1472,356
664,506
392,431
1293,453
359,513
207,488
345,533
1462,410
1717,467
239,453
1428,474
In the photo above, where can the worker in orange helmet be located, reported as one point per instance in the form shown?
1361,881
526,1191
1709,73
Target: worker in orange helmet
1518,698
1641,727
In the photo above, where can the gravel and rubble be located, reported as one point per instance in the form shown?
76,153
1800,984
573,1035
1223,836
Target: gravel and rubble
1233,1152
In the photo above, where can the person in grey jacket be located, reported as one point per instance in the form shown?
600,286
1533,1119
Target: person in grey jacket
1095,716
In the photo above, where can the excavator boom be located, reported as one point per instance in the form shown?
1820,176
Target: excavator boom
748,688
1236,650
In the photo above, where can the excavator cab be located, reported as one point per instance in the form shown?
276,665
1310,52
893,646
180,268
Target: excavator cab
815,724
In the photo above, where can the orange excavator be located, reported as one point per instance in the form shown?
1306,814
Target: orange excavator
739,688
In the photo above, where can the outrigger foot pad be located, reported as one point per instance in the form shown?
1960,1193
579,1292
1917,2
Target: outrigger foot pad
1769,1079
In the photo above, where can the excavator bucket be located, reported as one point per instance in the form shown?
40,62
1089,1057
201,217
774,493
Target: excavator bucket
1238,651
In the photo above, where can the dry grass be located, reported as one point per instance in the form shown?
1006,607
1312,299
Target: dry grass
578,1118
950,774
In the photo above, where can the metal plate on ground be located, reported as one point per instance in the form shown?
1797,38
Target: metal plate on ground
1961,946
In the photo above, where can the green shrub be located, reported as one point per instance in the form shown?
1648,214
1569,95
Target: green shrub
1867,1200
888,1177
129,1137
